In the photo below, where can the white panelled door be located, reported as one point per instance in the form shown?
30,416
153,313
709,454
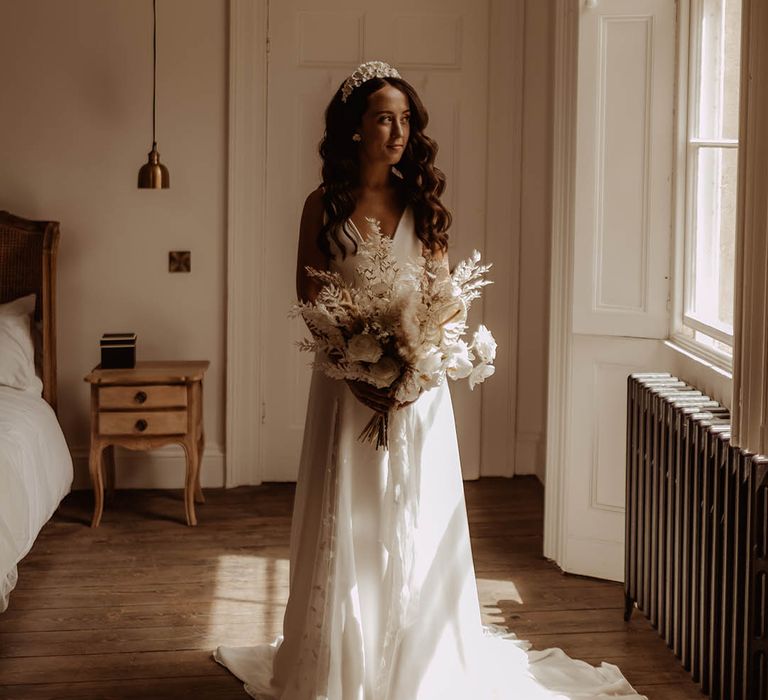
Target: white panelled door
440,46
620,263
624,166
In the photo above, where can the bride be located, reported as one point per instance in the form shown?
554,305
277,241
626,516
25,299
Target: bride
383,601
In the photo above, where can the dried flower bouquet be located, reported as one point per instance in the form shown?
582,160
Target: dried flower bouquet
398,326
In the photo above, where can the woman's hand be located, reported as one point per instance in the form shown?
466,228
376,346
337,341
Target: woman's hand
373,397
379,400
403,404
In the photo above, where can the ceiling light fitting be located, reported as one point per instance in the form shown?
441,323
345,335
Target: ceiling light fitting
153,174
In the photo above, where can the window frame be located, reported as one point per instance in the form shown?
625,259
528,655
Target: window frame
687,149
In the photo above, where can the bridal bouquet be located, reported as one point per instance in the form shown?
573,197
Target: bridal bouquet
398,326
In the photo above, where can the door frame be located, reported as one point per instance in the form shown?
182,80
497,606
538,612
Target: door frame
246,185
561,274
246,193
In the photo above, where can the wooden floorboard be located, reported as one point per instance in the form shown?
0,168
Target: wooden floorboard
134,608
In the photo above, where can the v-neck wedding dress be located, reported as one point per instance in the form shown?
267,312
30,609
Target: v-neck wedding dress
383,601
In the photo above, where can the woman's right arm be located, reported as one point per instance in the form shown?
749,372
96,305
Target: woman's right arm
309,254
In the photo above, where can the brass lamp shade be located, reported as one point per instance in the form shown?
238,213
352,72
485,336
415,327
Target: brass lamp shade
153,174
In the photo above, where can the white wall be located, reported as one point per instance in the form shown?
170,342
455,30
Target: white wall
75,126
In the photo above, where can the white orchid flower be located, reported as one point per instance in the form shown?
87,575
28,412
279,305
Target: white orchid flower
428,369
484,344
480,374
458,360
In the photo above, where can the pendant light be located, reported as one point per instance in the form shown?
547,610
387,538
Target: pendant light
153,174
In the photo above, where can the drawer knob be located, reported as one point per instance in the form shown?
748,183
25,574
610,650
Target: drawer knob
141,425
141,397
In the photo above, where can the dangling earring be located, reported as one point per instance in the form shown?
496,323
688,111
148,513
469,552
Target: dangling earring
357,138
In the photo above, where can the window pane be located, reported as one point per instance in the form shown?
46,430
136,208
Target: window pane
719,52
713,238
713,344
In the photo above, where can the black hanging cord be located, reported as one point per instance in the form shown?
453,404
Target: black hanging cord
154,67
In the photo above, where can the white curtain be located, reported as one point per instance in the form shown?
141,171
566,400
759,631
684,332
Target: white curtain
750,357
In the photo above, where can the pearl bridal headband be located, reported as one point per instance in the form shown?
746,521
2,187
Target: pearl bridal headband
365,72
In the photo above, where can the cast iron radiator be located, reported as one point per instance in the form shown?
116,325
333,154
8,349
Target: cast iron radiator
696,553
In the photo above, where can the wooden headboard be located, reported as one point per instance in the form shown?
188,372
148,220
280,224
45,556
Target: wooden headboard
27,266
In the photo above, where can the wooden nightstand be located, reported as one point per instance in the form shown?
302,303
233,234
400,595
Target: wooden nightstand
151,405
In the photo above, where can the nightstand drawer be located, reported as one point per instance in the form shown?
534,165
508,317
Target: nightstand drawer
143,423
150,396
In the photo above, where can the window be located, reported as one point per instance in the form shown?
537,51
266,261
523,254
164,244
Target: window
707,166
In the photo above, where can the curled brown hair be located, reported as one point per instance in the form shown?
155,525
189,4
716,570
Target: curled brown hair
422,182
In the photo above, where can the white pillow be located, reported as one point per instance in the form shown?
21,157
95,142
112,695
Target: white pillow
22,305
17,348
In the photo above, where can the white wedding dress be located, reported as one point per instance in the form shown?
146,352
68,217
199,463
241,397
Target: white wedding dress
383,601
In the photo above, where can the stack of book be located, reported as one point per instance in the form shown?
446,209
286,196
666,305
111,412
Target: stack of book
118,350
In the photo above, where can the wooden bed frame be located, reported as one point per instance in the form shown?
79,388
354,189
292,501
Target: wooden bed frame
27,266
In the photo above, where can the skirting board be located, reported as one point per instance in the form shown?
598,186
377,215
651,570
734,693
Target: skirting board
163,468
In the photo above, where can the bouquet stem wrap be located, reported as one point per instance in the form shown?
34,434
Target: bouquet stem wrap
376,431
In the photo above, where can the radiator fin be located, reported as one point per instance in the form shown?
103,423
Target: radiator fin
696,554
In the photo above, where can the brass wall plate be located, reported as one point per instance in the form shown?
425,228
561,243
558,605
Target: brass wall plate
179,261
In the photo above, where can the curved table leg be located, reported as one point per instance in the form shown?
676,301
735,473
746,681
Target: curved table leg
94,465
109,468
193,475
200,432
199,498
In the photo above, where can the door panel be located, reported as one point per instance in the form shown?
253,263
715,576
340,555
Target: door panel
624,123
595,471
442,51
624,165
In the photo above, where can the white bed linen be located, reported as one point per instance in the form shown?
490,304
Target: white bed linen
35,474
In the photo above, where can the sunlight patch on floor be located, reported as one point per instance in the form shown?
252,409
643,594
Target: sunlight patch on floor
490,591
249,600
498,589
